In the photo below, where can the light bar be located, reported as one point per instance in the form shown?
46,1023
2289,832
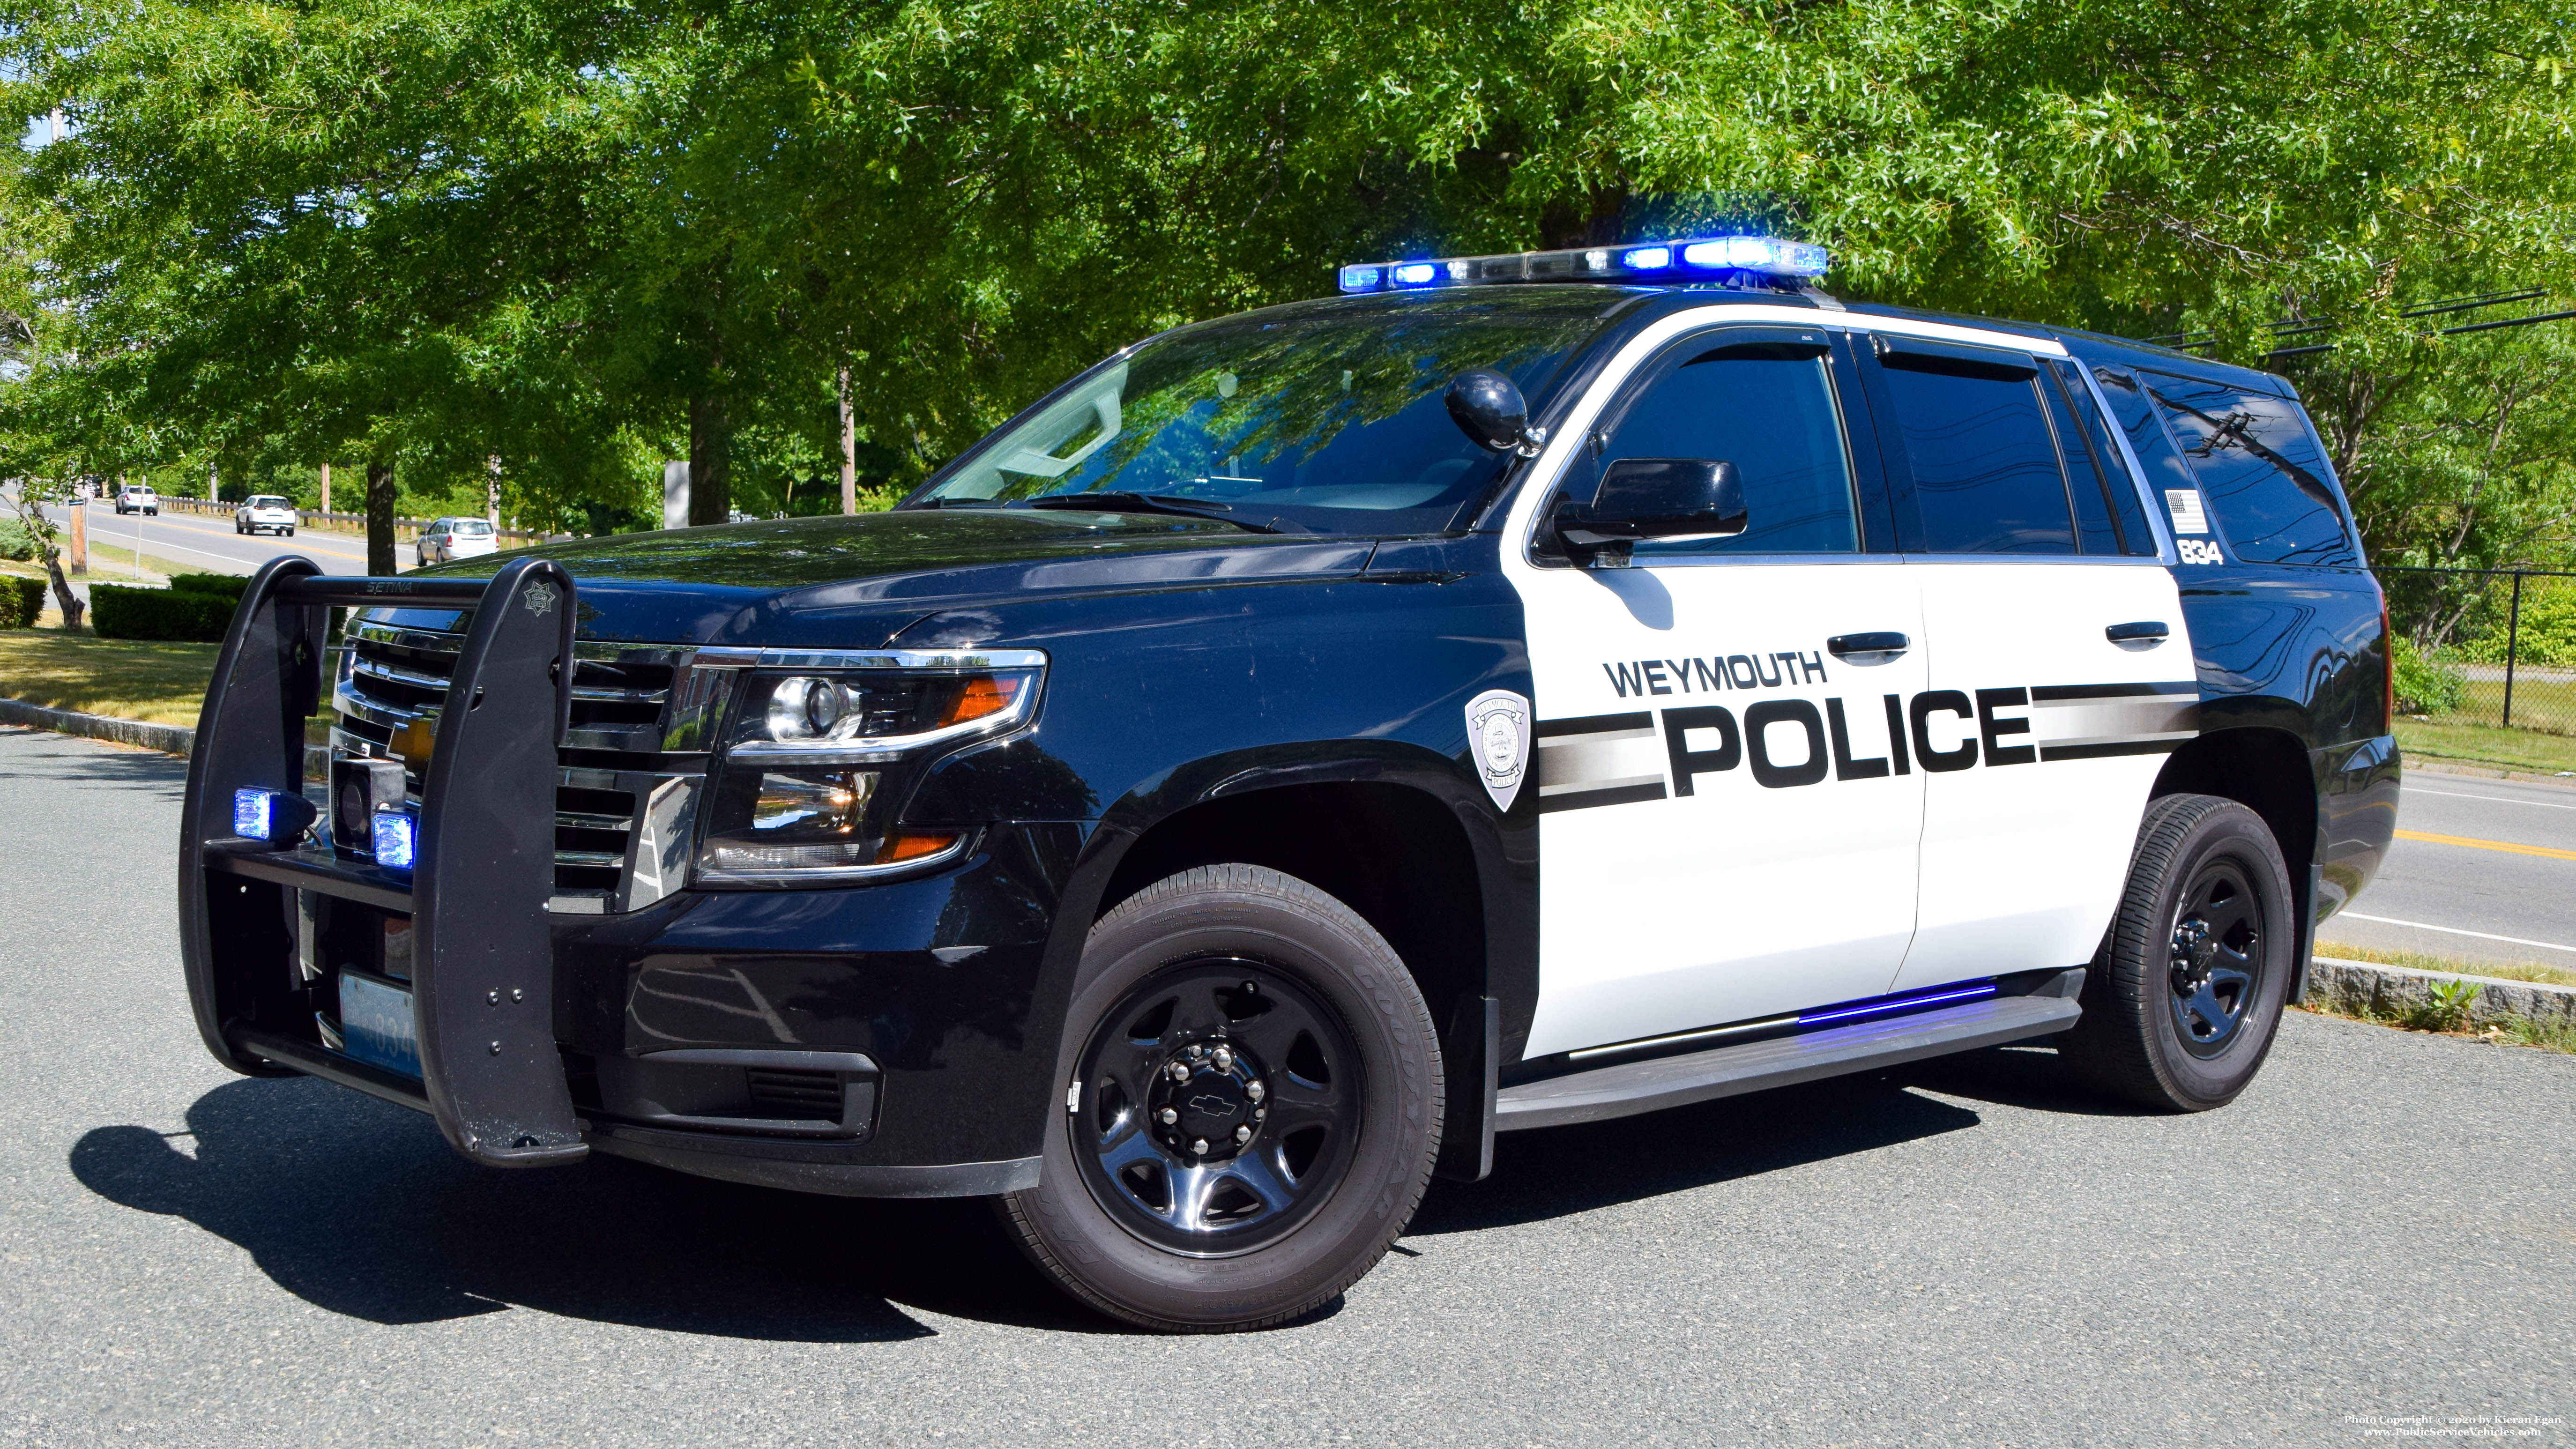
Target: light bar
395,833
1708,259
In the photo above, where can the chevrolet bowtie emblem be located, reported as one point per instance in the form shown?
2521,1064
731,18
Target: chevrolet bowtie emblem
540,598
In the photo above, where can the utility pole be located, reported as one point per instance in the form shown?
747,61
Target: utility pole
79,548
326,488
849,449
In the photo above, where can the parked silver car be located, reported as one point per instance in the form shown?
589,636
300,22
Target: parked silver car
265,514
135,498
447,539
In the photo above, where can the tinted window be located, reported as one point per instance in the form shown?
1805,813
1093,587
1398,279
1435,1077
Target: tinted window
1328,416
2119,485
1986,477
2260,470
1771,413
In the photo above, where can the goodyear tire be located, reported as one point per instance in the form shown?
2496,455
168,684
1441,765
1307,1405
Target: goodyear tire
2183,1000
1253,1105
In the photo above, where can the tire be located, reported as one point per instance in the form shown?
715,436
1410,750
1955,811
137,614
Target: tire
290,533
1336,1076
2183,1000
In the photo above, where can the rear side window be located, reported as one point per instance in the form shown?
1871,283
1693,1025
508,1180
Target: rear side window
2119,486
1768,408
2259,468
1986,476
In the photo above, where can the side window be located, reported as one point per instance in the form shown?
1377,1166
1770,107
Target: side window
2260,470
2095,528
1986,475
2119,485
1768,408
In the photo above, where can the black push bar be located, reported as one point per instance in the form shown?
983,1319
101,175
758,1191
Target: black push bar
482,984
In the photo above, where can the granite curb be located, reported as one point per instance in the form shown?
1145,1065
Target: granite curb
177,740
2361,988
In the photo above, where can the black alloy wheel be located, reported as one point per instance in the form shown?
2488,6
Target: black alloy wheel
1219,1107
1250,1107
2183,999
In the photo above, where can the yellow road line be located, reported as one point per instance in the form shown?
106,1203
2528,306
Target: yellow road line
2475,844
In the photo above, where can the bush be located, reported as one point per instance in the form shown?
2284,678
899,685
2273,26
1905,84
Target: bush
16,543
2425,686
119,611
21,600
230,586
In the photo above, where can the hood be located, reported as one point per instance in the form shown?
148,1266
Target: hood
856,582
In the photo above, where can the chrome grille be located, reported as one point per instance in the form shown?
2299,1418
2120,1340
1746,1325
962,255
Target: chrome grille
643,717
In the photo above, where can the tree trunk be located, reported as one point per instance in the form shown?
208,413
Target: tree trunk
64,599
492,492
849,449
380,518
710,460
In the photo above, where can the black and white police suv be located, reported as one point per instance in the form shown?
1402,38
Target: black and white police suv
1523,691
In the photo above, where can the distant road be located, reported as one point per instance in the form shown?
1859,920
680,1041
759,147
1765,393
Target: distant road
2475,859
210,543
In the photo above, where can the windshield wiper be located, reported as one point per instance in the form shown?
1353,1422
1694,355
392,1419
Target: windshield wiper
1151,503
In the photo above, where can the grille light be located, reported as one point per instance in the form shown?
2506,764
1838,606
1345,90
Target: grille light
1761,257
270,815
395,833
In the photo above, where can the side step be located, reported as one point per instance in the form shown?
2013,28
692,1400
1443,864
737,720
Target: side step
1632,1087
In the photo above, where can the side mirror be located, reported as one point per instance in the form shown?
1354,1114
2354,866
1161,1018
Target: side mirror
1643,498
1489,408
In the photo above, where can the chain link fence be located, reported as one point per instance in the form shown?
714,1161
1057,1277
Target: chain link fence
2491,647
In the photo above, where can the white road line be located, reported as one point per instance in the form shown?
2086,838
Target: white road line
2454,931
2504,799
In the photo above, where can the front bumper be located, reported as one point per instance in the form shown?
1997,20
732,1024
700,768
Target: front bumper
872,1041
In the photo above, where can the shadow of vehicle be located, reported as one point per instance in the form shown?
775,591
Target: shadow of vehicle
359,1207
101,766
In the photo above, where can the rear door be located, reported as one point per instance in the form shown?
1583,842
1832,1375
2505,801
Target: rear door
2058,671
1728,815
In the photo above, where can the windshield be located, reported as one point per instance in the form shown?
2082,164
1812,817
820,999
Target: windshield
1322,417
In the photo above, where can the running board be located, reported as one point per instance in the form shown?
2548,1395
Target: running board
1632,1087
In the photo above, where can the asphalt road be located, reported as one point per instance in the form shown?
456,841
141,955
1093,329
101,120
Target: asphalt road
2476,860
209,543
1965,1252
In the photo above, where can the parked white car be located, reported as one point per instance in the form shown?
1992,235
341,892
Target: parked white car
448,539
135,498
265,514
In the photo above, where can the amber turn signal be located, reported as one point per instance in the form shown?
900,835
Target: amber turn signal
913,845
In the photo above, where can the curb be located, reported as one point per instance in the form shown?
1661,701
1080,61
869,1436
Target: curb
2360,988
168,739
2442,765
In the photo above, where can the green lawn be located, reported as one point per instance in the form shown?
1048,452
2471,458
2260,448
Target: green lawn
2449,965
128,678
2452,737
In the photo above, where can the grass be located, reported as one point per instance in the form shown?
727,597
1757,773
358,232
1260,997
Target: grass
129,678
2532,971
2451,737
2512,1031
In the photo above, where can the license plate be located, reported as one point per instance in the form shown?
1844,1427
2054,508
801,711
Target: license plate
376,1024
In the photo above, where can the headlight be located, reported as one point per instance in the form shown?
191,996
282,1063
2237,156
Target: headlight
823,751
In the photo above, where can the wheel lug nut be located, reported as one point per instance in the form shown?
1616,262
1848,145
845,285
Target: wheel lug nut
1251,987
1167,1116
1198,1145
1178,1071
1255,1090
1242,1134
1197,1052
1260,1114
1224,1059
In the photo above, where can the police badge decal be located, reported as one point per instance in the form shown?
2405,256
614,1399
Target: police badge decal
1498,740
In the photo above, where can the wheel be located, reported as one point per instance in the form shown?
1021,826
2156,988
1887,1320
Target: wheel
290,531
2183,999
1253,1106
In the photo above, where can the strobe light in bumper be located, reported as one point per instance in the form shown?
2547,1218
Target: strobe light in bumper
821,760
273,816
1763,258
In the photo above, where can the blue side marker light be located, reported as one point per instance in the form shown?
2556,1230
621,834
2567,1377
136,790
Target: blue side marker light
396,832
271,815
1415,274
1649,259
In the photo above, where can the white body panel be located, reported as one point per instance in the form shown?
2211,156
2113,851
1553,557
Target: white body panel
2023,861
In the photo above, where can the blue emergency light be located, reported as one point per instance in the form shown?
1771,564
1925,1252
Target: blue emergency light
396,833
1762,258
272,816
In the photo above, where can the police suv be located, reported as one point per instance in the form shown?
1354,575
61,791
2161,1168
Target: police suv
1523,691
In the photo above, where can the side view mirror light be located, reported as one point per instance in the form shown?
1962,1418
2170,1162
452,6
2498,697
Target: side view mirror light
1650,498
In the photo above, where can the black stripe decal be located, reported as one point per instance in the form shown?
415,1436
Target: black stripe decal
1586,799
2050,693
1598,724
2108,748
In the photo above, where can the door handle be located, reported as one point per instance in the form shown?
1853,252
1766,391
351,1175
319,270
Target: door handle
1876,648
2149,632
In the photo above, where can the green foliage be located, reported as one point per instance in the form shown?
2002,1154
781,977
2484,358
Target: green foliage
228,587
21,600
2445,1006
122,612
2425,686
16,544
